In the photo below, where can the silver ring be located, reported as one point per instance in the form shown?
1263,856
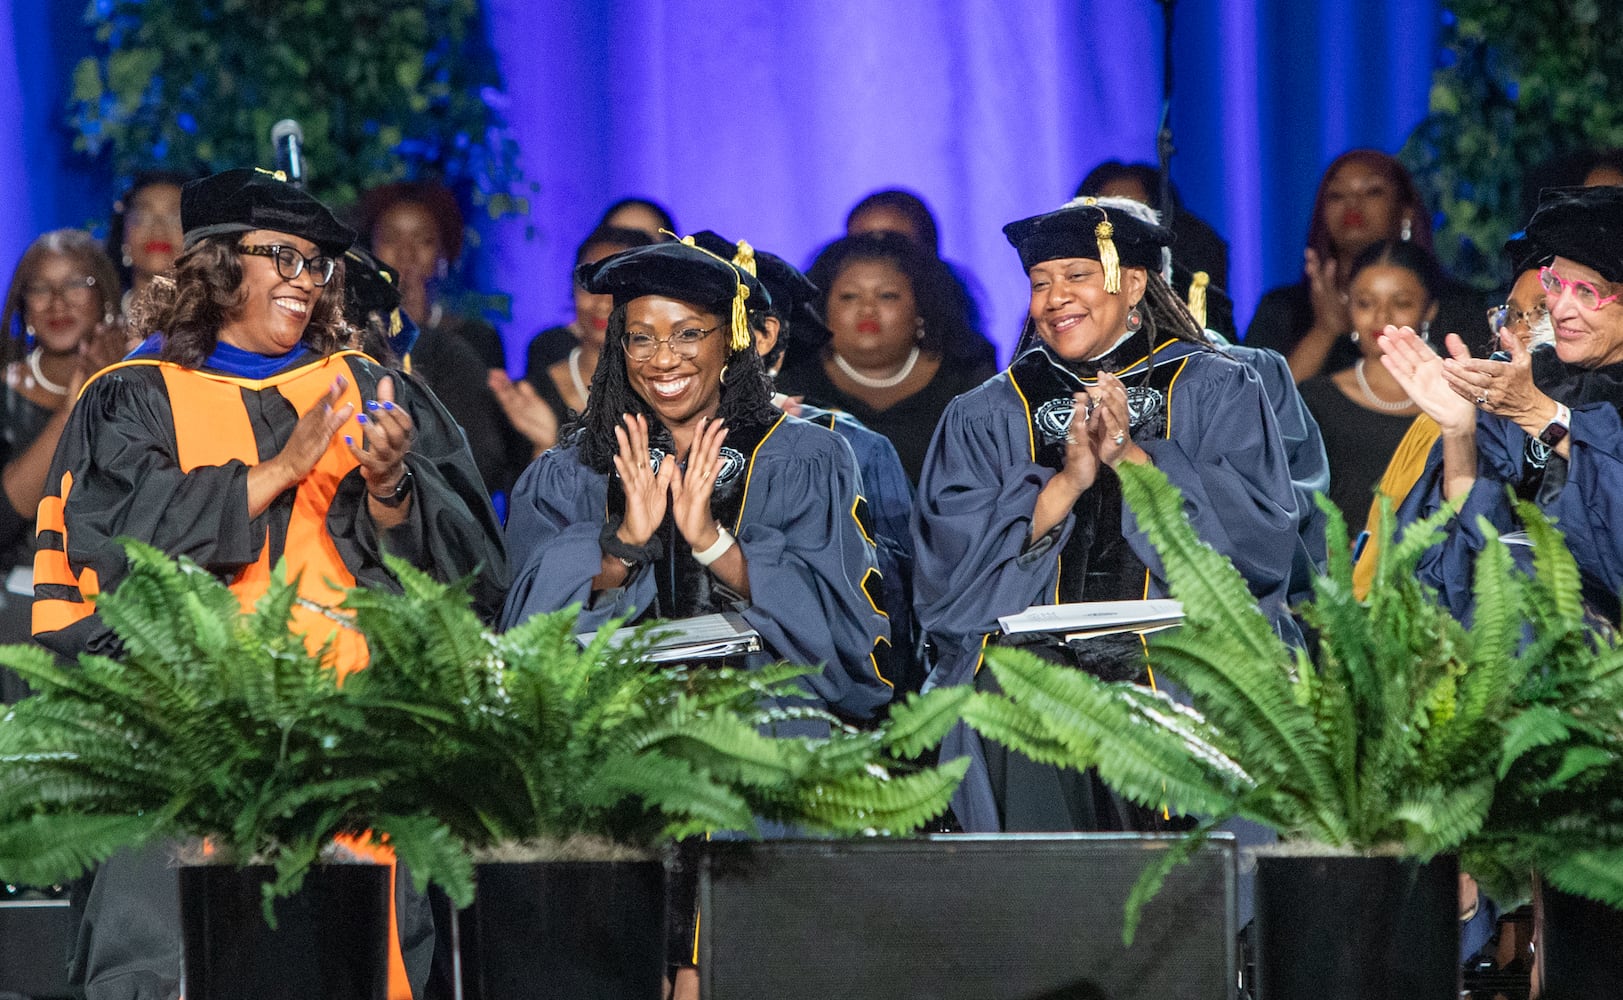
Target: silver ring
1070,439
1482,401
1120,438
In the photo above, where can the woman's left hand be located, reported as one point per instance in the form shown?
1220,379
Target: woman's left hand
386,440
692,488
1504,388
1111,428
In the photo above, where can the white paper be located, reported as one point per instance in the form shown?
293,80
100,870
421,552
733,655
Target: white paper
705,637
1094,617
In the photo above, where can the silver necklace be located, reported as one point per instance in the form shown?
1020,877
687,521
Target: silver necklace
54,388
1369,394
574,374
888,382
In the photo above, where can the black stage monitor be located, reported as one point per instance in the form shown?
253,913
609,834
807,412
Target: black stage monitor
963,917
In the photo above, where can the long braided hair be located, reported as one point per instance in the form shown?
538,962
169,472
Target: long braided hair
746,398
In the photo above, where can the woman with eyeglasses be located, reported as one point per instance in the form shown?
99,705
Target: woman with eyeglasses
1524,317
682,490
1546,420
60,327
242,433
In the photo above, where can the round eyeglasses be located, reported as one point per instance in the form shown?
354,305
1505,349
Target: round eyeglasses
683,343
78,291
290,263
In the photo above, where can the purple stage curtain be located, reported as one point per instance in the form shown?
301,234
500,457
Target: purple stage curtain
768,120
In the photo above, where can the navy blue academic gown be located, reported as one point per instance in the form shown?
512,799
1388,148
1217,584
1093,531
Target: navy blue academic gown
1203,419
793,505
1583,494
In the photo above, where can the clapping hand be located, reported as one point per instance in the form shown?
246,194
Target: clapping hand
646,491
386,440
691,489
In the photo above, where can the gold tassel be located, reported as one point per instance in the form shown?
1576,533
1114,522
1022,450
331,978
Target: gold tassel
745,258
742,339
1108,256
1197,296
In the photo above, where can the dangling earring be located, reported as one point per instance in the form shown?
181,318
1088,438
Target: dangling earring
128,260
1135,320
1354,336
1407,232
918,332
442,268
1425,330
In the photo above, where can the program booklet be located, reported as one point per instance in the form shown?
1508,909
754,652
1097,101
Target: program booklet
1089,619
705,637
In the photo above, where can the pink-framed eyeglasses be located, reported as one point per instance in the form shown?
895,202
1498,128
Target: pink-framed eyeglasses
1583,291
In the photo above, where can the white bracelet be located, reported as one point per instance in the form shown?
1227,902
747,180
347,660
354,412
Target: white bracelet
717,549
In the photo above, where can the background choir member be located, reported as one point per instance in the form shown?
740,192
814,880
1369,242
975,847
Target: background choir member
144,233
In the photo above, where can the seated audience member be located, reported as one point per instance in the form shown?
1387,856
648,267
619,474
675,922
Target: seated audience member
61,327
889,313
1366,197
144,233
897,211
1362,411
416,229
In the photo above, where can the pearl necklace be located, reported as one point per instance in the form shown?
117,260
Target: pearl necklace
574,375
1374,400
888,382
54,388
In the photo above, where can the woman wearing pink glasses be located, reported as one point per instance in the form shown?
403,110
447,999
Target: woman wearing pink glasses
1546,421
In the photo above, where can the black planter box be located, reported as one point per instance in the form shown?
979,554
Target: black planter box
1580,948
331,939
581,930
1344,928
960,917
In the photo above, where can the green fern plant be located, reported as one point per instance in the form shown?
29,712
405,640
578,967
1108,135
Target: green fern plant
1398,737
528,735
211,723
453,741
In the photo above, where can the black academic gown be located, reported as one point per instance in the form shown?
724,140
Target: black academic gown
143,456
1205,422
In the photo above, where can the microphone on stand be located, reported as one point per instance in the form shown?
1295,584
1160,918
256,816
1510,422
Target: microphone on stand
288,139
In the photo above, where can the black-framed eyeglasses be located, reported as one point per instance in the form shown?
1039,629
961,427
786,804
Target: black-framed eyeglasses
1500,317
683,343
290,263
75,291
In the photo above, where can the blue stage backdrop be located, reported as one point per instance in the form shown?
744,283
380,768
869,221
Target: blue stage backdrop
767,121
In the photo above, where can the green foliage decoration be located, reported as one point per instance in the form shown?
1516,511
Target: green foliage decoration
1516,84
455,740
384,91
1406,734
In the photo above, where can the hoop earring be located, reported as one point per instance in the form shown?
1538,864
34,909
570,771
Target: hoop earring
1354,336
723,375
1406,233
1135,320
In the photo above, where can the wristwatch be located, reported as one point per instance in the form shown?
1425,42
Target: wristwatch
1556,430
402,489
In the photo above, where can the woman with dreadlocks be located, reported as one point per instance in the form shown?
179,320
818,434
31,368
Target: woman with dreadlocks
683,491
1019,503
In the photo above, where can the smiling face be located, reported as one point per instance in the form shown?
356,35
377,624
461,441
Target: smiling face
872,314
680,390
152,232
1382,295
60,303
274,311
1074,314
1583,337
